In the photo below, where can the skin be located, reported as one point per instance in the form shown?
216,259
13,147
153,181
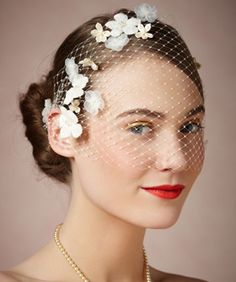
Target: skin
105,225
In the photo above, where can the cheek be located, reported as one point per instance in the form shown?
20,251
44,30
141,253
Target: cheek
195,153
118,152
108,188
106,168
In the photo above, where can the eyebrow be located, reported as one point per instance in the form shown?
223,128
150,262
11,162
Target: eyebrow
159,115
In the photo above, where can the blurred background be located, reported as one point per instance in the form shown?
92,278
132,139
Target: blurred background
202,242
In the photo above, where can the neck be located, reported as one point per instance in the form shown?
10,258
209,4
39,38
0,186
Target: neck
104,247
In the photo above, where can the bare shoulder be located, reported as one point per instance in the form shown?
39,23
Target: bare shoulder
12,276
161,276
7,276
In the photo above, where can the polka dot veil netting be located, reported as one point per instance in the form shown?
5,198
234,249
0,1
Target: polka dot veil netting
149,99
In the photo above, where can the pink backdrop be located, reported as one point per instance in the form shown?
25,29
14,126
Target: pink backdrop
202,242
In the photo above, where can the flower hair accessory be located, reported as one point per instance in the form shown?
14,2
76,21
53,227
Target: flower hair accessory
68,120
46,110
117,63
122,26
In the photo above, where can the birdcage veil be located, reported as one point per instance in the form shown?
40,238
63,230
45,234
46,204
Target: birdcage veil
132,87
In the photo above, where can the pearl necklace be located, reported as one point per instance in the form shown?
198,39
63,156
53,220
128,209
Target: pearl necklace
75,266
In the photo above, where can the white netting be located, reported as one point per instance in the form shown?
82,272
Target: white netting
153,110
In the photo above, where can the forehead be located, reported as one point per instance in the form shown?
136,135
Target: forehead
147,82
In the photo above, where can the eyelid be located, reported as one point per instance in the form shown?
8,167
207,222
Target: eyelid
193,119
132,124
197,120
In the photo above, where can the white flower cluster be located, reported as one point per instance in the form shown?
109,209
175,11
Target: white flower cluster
68,120
115,38
122,26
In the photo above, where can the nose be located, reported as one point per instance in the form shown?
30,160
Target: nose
170,155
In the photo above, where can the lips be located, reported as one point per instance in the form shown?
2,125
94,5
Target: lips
165,191
166,187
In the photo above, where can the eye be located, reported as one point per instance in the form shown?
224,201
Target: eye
191,127
140,128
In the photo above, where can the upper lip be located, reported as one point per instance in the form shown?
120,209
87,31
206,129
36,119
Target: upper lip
166,187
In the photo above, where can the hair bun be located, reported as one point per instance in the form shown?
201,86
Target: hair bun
31,105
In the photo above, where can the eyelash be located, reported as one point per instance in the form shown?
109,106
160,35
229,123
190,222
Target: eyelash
151,127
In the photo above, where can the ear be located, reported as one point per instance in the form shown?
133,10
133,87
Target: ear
63,147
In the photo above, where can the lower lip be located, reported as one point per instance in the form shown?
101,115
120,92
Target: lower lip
165,194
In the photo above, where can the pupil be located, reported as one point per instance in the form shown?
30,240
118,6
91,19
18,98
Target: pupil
137,129
188,128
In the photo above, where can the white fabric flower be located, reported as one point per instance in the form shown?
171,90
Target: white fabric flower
143,31
145,12
68,123
87,62
123,24
71,68
75,78
100,34
73,92
81,81
117,43
93,102
46,110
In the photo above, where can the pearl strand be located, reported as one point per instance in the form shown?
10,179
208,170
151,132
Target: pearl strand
75,266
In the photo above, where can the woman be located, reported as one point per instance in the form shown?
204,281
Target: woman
119,118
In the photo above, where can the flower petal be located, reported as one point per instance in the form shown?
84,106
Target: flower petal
111,24
145,12
94,32
80,80
93,102
87,62
141,28
107,33
46,110
71,117
64,132
116,32
94,66
117,43
116,28
63,110
130,29
71,68
150,35
121,17
72,93
99,27
147,27
67,117
131,26
76,130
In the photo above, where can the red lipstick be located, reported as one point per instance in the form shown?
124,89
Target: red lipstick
165,191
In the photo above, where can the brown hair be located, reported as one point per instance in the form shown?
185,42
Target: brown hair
168,43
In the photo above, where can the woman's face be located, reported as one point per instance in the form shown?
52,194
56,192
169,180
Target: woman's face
127,150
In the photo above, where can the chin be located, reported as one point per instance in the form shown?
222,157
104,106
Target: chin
162,224
162,220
